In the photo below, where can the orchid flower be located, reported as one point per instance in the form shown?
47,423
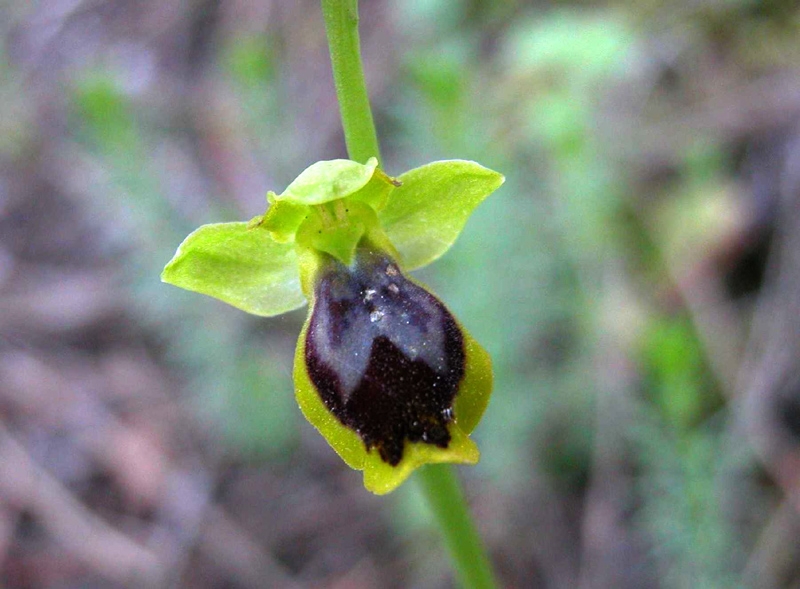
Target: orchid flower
382,369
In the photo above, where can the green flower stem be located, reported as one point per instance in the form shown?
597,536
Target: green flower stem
443,492
341,26
439,483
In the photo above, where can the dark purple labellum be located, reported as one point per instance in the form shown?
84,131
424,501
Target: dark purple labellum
385,356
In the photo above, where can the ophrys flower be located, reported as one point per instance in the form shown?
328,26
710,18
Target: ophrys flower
382,368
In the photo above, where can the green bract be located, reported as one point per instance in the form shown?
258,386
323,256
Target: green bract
382,369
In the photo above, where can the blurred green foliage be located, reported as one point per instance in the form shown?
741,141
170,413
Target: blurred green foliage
250,60
675,374
105,111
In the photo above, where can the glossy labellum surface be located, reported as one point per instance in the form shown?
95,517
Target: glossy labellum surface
383,369
385,355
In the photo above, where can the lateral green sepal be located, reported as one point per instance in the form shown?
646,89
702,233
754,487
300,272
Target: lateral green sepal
424,216
241,266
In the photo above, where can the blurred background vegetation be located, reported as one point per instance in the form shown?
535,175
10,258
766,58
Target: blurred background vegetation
636,280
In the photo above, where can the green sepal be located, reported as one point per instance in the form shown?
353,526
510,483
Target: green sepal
240,265
425,215
379,476
328,180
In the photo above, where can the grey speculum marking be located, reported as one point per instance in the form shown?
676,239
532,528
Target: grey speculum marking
385,355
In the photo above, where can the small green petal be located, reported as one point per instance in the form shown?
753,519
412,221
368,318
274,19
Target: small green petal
425,215
241,266
283,218
328,180
377,191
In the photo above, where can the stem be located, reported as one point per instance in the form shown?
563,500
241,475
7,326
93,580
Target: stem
438,482
443,491
341,26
